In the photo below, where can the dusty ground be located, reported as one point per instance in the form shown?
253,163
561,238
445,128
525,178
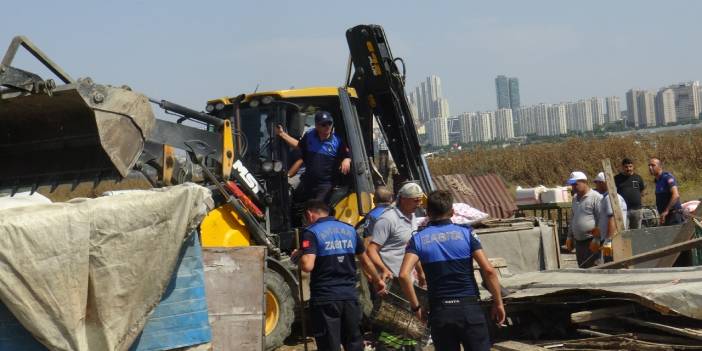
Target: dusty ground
567,261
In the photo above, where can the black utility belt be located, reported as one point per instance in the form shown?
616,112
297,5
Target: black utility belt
454,301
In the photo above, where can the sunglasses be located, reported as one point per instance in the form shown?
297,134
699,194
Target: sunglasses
324,124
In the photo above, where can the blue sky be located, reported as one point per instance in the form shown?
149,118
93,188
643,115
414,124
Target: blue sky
190,51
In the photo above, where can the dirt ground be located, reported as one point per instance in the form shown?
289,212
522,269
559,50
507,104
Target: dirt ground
567,261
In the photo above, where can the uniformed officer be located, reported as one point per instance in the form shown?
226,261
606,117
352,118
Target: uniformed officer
446,252
323,152
382,199
328,248
667,194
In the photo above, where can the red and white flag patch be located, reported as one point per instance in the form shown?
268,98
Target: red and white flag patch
305,244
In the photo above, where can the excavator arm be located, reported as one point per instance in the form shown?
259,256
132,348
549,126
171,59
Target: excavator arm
380,84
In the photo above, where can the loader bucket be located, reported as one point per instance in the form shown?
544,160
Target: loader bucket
80,131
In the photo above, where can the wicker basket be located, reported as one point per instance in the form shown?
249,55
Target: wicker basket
392,313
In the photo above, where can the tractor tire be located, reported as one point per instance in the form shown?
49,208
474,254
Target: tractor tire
279,308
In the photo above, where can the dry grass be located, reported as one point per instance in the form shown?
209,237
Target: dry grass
550,164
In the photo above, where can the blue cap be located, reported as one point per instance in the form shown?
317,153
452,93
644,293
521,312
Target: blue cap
323,117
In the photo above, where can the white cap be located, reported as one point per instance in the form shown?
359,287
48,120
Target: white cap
411,190
575,176
600,177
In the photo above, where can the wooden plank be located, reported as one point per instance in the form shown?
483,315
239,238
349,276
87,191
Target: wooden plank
615,344
516,346
687,332
686,232
601,313
620,248
667,251
234,281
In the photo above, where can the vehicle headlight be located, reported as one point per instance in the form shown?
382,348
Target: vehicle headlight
267,166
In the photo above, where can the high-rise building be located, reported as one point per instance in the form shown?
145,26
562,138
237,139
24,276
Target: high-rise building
597,107
527,122
442,108
540,113
507,90
665,107
429,100
426,103
632,109
482,125
502,91
454,129
514,100
437,131
583,116
687,100
504,124
466,127
413,105
557,120
646,107
614,112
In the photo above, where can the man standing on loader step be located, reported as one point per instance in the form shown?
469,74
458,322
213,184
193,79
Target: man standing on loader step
323,153
328,250
447,251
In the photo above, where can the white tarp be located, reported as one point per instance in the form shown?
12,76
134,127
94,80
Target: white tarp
86,274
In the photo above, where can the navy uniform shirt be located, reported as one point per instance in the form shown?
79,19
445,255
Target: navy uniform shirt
335,245
664,185
446,252
322,157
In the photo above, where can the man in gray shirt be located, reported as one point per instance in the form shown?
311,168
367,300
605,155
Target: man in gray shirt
393,229
606,224
583,223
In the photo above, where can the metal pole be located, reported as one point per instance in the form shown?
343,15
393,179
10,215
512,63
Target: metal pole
300,293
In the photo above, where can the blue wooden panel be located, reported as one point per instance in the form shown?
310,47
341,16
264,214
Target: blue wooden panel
180,319
13,336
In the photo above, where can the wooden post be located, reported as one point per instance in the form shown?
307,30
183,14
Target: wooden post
621,248
667,251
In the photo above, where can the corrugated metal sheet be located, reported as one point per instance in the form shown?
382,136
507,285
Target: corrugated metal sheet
181,319
664,289
487,193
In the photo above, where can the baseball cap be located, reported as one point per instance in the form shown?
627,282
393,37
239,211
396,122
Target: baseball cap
600,177
575,176
323,117
411,190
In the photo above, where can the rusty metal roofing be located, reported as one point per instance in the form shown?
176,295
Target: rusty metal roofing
487,193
